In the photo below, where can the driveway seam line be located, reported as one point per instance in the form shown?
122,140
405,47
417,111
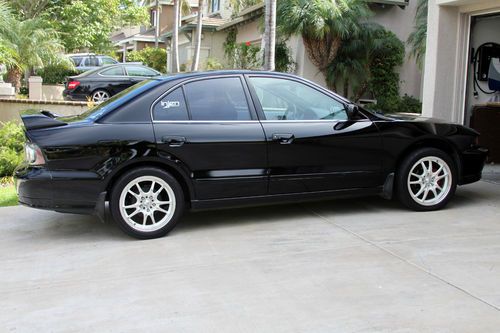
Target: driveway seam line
434,275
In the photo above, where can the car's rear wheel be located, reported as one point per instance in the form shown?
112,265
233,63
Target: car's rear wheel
100,96
147,202
426,179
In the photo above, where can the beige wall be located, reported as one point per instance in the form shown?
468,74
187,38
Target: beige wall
9,110
251,32
401,22
52,91
485,30
446,59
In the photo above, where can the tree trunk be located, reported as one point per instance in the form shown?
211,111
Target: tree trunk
199,28
322,52
175,37
14,76
270,35
157,23
346,88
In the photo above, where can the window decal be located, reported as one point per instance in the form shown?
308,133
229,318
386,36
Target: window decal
170,104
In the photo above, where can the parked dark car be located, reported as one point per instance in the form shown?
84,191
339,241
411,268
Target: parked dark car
100,84
232,138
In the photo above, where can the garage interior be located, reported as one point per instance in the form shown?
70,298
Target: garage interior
483,82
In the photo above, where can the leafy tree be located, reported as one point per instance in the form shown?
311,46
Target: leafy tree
323,25
28,9
87,24
29,44
418,38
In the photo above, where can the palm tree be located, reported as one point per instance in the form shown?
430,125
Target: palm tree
30,44
199,28
323,24
417,39
270,35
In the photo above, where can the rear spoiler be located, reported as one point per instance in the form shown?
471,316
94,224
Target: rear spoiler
35,119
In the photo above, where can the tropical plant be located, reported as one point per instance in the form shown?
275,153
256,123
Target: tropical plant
418,38
11,147
367,62
323,25
30,43
270,35
152,57
283,59
199,28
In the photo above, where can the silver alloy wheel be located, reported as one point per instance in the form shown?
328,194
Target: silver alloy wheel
429,181
100,96
147,203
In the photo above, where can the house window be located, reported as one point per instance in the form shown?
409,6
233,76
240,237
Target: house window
153,18
215,6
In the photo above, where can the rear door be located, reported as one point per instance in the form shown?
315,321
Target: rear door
208,126
312,145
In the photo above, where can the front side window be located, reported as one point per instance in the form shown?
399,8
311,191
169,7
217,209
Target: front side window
115,71
108,61
171,107
217,99
283,99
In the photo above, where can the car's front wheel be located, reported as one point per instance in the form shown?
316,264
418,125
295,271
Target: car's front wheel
147,202
426,179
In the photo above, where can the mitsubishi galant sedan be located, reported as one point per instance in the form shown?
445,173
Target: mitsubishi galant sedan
233,138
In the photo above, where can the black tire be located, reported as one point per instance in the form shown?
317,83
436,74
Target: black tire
100,91
135,175
402,179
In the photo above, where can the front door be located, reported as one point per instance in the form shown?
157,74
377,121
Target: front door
312,145
211,129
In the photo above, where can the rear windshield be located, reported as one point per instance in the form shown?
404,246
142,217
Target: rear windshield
101,109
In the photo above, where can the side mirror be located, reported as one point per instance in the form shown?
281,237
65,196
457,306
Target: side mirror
352,111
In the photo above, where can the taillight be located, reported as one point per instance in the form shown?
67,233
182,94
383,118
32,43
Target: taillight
33,154
73,84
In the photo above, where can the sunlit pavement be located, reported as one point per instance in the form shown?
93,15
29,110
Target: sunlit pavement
355,265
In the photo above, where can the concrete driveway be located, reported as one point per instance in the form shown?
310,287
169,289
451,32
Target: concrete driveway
357,265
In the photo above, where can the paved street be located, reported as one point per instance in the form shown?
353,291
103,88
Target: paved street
356,265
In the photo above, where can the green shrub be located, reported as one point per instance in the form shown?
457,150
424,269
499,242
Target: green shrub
56,74
410,104
11,147
155,58
212,64
283,58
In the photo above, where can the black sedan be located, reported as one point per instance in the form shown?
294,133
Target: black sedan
99,84
232,138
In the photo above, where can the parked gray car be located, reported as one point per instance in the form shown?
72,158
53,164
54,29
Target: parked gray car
87,61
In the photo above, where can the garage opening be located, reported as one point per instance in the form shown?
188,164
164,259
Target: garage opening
482,109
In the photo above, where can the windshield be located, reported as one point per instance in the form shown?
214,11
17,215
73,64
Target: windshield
102,108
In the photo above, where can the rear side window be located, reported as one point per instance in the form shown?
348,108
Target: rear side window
171,107
91,61
217,99
115,71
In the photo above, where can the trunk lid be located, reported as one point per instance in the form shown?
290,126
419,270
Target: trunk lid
36,119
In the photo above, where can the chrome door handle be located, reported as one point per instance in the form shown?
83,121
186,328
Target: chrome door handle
284,138
174,141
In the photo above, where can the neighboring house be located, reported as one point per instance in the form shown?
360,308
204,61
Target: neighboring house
160,21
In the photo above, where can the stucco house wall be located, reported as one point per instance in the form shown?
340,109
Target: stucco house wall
446,59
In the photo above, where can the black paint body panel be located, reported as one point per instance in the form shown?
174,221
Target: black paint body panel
230,163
